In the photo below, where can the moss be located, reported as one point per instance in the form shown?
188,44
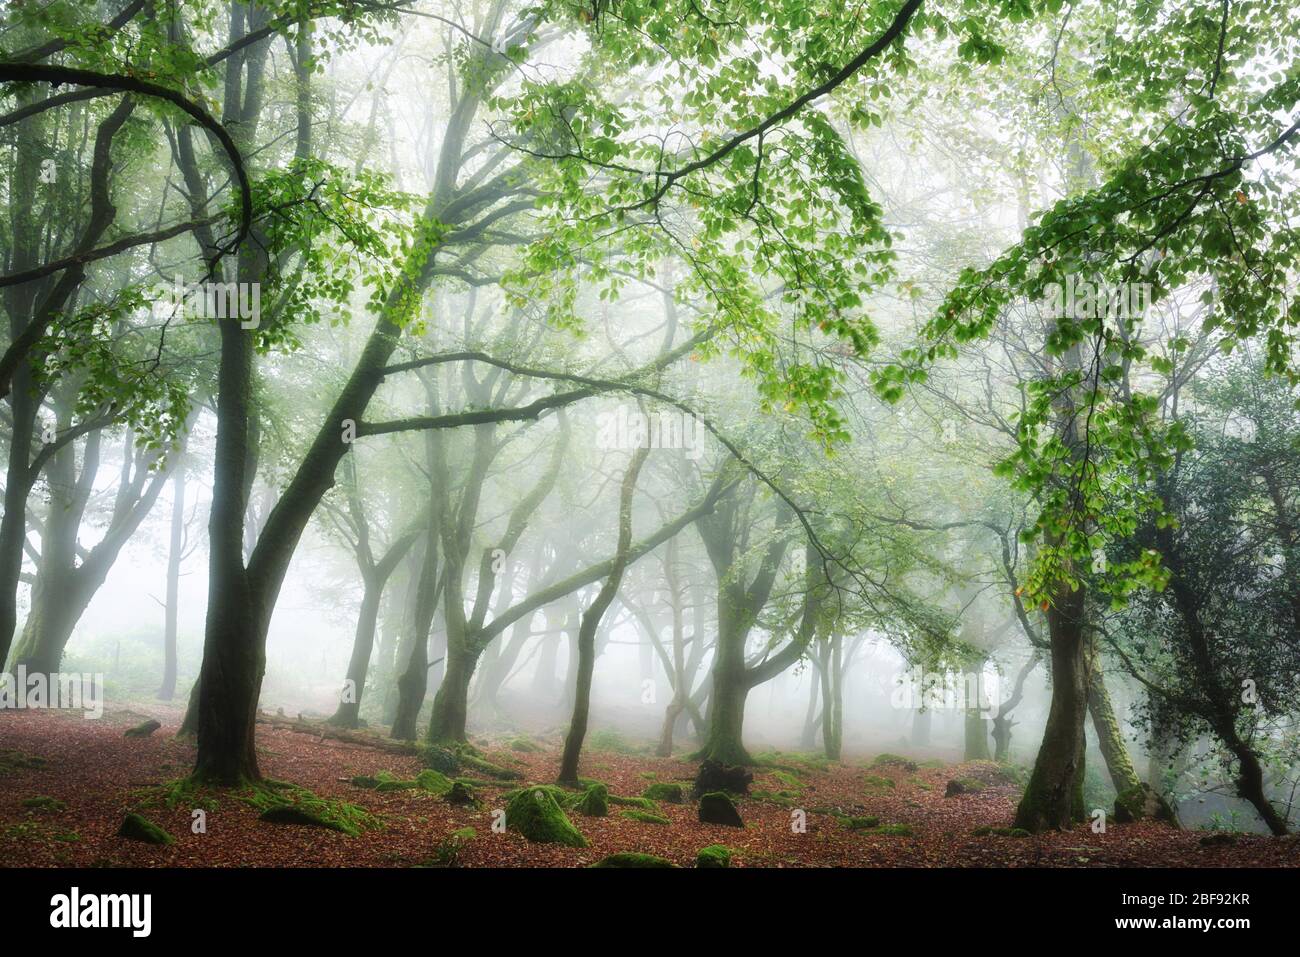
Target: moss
562,796
876,782
888,760
963,786
859,823
648,775
462,795
433,781
717,807
448,850
284,803
535,814
594,801
19,761
663,791
488,768
895,830
922,785
137,827
932,763
42,803
440,759
632,859
644,804
607,739
645,817
524,745
783,798
791,781
715,855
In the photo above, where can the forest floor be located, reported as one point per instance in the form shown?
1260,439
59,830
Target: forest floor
96,775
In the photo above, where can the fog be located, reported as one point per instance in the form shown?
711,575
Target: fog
613,379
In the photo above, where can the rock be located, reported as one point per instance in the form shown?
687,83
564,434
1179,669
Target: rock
715,855
136,827
962,786
632,859
715,776
461,794
439,759
1141,802
594,802
534,814
718,808
662,791
143,730
288,814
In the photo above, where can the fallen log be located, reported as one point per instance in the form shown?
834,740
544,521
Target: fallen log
325,731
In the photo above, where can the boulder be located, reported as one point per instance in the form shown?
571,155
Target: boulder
534,813
137,827
718,808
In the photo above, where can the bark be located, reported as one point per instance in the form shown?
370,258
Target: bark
1054,795
175,550
1110,739
586,640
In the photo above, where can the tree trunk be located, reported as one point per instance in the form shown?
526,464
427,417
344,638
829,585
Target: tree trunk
1110,739
175,546
1054,795
586,639
363,644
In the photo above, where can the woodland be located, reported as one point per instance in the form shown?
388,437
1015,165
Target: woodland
630,433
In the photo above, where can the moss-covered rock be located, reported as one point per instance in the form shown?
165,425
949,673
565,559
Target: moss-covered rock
645,817
142,730
461,794
632,859
443,760
435,782
715,855
718,808
524,745
293,814
962,786
594,801
888,760
663,791
535,814
137,827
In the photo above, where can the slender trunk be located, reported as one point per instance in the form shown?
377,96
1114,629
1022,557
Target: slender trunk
451,702
1110,740
1054,795
586,639
175,546
363,643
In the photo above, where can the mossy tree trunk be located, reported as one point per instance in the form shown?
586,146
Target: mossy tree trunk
1054,795
1110,739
